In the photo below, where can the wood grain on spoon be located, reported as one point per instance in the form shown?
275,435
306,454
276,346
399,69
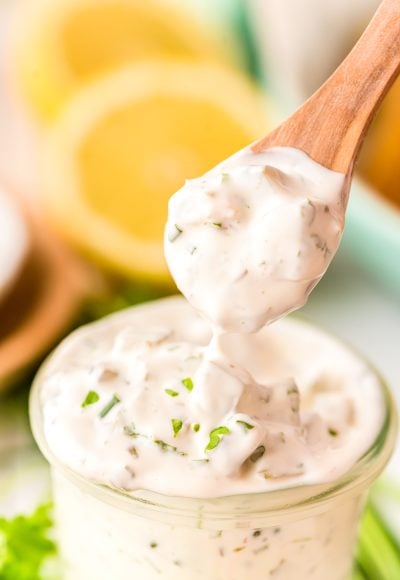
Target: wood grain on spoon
332,124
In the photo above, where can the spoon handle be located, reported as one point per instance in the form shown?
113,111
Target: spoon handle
332,123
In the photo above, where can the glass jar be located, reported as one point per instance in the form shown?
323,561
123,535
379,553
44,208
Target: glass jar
299,533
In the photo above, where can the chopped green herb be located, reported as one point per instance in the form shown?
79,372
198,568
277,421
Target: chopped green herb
130,430
112,402
333,432
167,447
196,427
188,384
153,545
216,436
175,233
217,224
176,426
247,426
171,392
91,397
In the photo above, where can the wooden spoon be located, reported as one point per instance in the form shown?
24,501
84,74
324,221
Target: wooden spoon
332,123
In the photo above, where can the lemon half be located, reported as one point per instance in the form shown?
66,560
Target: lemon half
62,44
125,143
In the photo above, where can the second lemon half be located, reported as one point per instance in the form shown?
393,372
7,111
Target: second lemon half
128,141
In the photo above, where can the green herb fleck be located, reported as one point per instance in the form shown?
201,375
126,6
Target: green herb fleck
216,436
167,447
333,432
175,234
217,224
176,426
130,430
91,397
188,384
153,545
247,426
112,402
171,392
196,427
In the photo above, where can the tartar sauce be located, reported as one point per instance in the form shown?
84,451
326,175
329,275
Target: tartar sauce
163,398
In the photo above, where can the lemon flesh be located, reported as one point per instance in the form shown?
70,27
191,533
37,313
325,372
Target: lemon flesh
61,45
126,143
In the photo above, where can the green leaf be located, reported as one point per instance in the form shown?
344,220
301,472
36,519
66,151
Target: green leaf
171,392
176,426
216,436
188,384
196,427
91,397
25,545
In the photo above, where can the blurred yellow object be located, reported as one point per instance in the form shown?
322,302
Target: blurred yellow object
380,157
125,143
61,44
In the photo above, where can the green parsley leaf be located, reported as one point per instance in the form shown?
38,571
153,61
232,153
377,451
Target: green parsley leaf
91,397
333,432
176,426
171,392
196,427
245,425
25,545
188,384
112,402
216,436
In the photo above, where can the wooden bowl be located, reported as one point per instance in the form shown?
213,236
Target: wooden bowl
44,301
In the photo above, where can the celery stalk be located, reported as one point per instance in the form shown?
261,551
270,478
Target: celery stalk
378,554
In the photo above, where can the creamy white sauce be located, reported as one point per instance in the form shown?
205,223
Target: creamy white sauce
135,399
248,242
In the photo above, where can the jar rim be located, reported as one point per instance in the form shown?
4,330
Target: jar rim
255,504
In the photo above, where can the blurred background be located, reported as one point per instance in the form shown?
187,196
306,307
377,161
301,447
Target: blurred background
106,107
